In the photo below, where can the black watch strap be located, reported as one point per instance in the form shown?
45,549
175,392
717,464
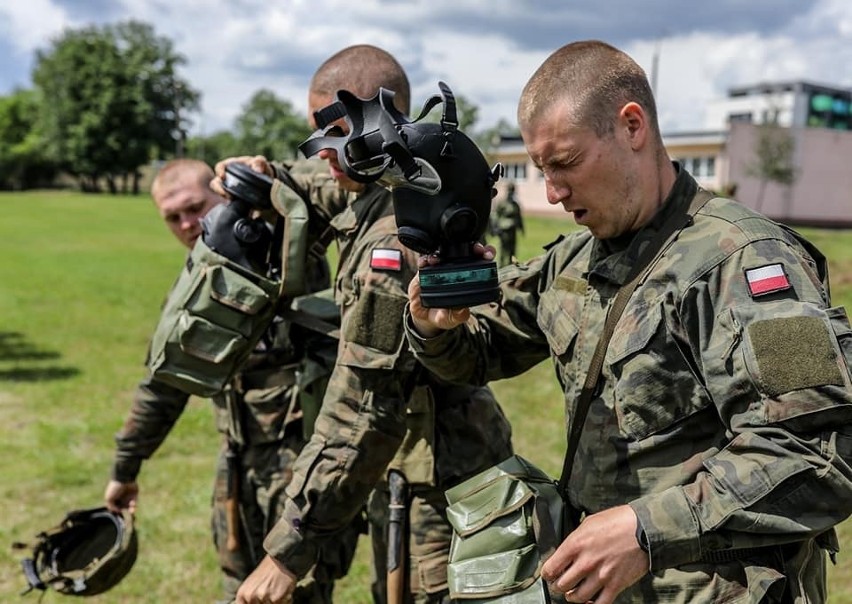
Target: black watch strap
642,538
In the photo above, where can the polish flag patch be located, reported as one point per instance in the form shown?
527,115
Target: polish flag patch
386,260
766,279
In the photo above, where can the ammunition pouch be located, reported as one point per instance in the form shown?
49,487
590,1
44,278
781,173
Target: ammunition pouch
212,320
256,408
506,521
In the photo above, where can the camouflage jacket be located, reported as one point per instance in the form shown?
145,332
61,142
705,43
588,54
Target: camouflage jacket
723,411
380,408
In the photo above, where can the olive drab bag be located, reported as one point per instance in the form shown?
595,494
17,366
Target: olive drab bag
212,320
217,311
506,521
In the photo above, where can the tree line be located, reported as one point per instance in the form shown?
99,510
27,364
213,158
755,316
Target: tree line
108,100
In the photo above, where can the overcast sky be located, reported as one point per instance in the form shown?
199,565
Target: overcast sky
484,49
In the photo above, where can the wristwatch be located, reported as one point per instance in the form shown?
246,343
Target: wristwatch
642,538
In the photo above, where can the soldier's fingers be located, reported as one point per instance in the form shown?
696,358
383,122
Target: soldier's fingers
216,186
585,591
459,316
259,163
487,252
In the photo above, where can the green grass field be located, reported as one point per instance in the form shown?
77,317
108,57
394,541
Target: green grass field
81,282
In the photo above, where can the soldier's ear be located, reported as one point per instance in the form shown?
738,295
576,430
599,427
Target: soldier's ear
634,124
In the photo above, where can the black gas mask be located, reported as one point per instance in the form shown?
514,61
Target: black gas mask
441,184
231,229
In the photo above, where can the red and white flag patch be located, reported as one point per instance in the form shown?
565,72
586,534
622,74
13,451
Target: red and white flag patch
767,279
386,259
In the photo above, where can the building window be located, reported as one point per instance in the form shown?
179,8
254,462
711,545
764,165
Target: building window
515,171
740,117
700,167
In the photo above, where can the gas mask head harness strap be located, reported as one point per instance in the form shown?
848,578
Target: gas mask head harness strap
376,147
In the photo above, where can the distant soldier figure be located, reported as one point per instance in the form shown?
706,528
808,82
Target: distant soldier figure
505,222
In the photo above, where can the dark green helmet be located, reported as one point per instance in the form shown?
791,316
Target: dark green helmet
89,552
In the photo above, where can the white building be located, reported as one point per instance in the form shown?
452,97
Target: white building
796,104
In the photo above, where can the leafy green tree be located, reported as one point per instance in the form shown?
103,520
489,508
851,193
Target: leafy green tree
115,101
489,139
270,126
161,99
22,161
773,158
466,112
214,147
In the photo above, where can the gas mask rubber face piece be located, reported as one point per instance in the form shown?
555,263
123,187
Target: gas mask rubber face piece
441,185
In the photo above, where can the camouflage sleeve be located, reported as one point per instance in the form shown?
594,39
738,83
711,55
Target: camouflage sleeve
501,340
156,407
362,421
777,369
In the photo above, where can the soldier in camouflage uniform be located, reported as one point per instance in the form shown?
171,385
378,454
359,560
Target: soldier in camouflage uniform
381,409
258,415
506,221
715,458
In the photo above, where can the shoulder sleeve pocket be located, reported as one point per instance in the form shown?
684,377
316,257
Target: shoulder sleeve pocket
793,353
375,320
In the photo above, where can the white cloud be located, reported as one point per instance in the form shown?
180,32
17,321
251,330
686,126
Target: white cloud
28,25
235,48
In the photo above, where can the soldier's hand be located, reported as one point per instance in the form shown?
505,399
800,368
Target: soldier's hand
599,559
269,583
120,496
258,163
429,322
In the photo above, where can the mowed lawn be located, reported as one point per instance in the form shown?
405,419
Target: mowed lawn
81,282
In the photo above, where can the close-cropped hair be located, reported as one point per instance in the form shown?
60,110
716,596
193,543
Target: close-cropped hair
595,79
363,69
176,169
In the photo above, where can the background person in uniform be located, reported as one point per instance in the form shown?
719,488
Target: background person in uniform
714,460
254,414
381,409
506,221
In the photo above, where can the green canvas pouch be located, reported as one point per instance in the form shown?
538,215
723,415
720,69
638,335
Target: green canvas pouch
214,316
506,520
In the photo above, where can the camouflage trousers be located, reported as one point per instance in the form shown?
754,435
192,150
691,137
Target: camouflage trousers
428,545
265,471
508,242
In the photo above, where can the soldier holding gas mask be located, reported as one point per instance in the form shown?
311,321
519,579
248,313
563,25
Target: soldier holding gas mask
381,411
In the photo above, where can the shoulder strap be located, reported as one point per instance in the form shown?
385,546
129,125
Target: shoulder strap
675,223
